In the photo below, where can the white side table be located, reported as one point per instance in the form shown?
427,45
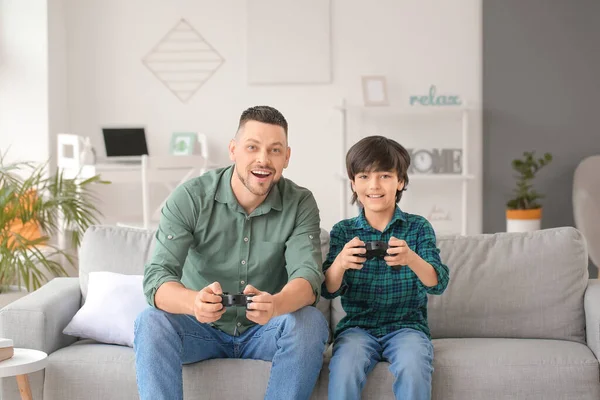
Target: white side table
25,361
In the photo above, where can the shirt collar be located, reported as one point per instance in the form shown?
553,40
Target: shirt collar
362,223
224,194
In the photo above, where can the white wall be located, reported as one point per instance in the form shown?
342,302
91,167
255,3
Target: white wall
58,115
415,44
24,80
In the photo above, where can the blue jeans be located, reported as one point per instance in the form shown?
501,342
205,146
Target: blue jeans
355,353
293,342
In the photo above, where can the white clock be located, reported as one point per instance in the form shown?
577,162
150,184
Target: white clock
423,161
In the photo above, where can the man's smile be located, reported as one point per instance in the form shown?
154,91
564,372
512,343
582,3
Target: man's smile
261,173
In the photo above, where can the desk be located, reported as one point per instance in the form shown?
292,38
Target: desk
168,171
126,173
23,362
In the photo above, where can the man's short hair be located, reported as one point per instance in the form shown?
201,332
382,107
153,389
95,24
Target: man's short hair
378,153
264,114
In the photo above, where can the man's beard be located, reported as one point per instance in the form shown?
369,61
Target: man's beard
259,190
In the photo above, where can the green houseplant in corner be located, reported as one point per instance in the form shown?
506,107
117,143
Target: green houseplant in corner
35,207
523,211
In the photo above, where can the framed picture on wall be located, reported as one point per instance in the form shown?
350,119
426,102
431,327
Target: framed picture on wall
375,91
183,143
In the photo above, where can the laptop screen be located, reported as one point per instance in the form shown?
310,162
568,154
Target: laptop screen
124,142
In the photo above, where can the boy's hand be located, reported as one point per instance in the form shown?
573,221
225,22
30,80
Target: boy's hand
347,258
399,253
262,307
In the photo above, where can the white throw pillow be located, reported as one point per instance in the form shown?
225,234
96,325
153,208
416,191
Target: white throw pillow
113,302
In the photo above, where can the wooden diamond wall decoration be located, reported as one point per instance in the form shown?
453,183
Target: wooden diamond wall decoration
183,60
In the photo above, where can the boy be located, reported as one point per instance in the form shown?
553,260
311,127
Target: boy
385,298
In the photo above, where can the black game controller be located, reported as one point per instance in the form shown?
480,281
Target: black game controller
237,300
374,249
377,249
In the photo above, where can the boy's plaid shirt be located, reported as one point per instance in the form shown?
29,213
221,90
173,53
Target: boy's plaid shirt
377,298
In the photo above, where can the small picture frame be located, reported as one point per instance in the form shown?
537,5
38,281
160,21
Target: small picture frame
375,91
183,143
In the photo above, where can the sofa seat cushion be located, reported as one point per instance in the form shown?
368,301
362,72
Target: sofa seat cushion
94,371
514,368
497,369
91,370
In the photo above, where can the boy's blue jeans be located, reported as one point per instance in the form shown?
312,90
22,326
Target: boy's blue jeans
355,353
293,342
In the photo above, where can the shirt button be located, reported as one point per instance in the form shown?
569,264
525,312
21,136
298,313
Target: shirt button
242,282
243,262
170,237
310,236
245,239
239,324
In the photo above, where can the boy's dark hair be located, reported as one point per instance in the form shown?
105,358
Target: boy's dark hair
378,153
265,114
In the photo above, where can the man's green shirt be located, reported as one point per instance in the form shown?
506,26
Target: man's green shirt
377,298
205,236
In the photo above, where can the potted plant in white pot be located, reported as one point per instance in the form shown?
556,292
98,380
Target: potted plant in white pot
35,207
524,212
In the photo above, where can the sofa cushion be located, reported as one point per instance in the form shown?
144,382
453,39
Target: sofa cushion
513,369
113,249
513,285
463,369
87,370
113,303
496,369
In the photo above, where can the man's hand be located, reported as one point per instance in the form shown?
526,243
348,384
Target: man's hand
262,308
399,253
347,259
207,304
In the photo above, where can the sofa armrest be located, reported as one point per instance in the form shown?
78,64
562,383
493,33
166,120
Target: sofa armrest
37,320
591,304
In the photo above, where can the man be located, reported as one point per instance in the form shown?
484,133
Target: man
240,228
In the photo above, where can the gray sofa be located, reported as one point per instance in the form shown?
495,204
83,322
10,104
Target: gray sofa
511,325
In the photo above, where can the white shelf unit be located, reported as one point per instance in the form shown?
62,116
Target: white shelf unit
464,178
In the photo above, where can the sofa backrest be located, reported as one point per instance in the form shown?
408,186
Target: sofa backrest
114,249
510,285
513,285
126,250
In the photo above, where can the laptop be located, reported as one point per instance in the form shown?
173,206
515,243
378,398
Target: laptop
125,145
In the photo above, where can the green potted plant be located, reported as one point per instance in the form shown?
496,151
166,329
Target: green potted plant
35,207
523,211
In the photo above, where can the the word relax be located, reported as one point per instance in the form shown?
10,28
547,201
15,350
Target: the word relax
433,100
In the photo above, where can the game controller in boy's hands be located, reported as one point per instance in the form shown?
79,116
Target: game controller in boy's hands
377,249
237,300
374,249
